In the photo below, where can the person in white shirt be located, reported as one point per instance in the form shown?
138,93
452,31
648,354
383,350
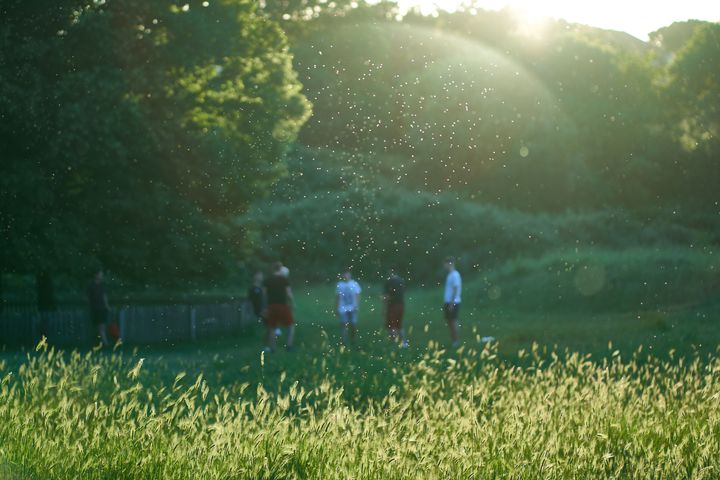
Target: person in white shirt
451,299
347,295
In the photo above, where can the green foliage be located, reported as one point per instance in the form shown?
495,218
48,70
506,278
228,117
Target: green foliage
572,120
147,129
695,86
338,209
450,135
675,36
592,280
464,116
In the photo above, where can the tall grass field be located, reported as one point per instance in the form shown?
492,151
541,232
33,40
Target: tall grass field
586,408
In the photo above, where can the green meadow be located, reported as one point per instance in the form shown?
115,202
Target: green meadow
557,396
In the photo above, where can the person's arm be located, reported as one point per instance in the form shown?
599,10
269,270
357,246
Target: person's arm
338,299
455,290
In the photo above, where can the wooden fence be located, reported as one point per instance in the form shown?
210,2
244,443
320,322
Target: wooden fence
138,325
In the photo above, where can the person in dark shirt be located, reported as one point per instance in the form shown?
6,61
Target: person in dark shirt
45,301
256,296
394,302
279,307
99,307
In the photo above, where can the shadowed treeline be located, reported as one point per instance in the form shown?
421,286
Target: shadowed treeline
174,144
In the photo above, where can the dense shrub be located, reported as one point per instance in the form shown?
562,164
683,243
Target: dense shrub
338,209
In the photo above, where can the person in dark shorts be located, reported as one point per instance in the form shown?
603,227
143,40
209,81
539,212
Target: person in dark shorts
451,299
99,306
394,301
256,296
279,307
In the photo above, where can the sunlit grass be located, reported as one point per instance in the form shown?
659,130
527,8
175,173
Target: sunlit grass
465,414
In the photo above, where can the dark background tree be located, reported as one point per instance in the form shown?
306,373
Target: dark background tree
135,132
693,89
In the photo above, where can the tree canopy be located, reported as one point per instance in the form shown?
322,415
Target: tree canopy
143,135
135,132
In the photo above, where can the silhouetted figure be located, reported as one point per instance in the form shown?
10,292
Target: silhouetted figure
46,304
279,307
256,296
451,299
394,303
347,293
99,306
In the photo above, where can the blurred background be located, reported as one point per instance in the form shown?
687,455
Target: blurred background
572,169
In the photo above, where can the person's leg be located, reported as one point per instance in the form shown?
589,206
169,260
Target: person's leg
270,337
455,327
102,333
394,322
291,336
454,332
353,326
353,332
270,326
449,314
343,332
343,316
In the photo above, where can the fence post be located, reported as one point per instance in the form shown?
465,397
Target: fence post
193,323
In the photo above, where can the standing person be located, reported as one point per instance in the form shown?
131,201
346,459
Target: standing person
394,302
285,273
45,301
256,296
279,307
347,296
99,306
451,306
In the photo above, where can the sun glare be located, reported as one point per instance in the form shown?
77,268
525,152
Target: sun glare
531,23
638,18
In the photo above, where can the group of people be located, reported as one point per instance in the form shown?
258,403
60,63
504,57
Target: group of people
272,302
